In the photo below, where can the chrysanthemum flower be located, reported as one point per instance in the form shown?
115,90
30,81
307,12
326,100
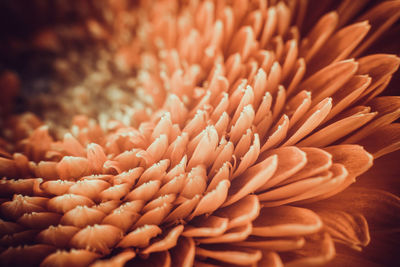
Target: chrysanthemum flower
256,118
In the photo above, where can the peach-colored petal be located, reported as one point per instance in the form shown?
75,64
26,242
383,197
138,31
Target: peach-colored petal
81,216
118,260
196,182
20,256
388,109
168,242
206,226
183,253
99,238
158,202
317,251
278,133
241,212
140,237
108,206
348,94
128,177
144,192
18,239
275,244
58,236
73,167
337,130
312,119
341,44
239,257
154,172
318,35
381,18
89,188
74,257
233,235
57,187
253,179
212,200
121,218
353,157
286,221
18,206
318,161
183,210
39,220
270,259
7,228
290,161
67,202
350,229
155,216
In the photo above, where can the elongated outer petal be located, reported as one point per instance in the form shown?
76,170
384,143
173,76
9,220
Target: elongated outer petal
241,257
286,221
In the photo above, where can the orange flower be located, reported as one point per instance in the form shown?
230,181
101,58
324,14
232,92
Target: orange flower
253,120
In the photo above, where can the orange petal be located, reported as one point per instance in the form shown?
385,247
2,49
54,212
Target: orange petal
118,260
206,226
100,238
58,236
30,255
239,257
121,219
73,167
78,258
318,161
168,242
290,161
20,205
350,229
337,130
145,191
67,202
353,157
311,121
82,216
39,220
250,181
233,235
183,210
317,251
140,237
183,253
155,216
286,221
58,187
89,188
115,192
241,212
274,244
212,200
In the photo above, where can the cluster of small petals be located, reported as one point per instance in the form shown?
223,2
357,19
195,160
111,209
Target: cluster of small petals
249,123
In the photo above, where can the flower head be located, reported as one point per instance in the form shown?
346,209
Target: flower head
254,119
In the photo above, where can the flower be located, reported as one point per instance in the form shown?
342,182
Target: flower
255,122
